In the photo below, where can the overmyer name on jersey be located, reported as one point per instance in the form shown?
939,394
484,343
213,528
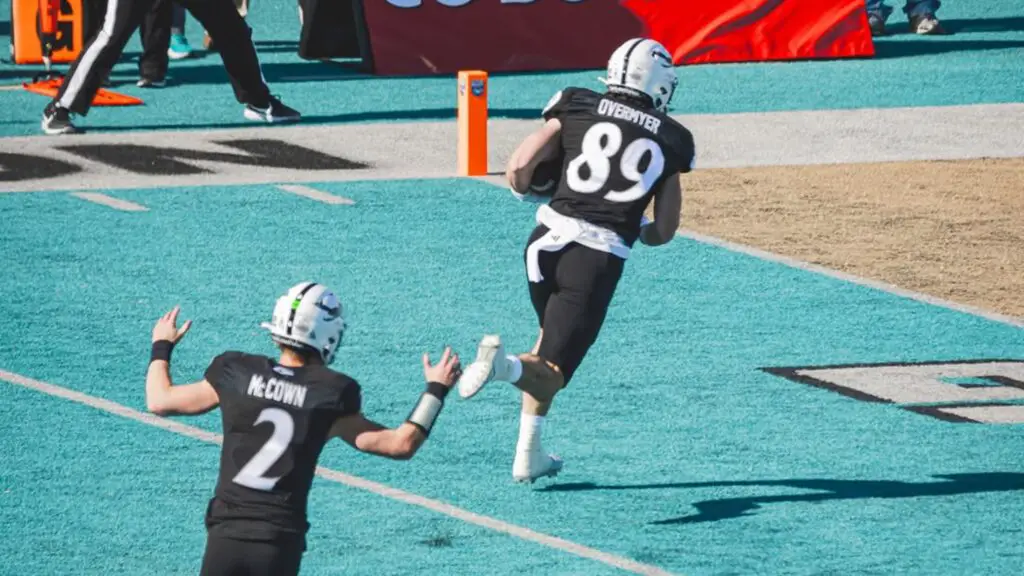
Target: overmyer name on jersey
623,112
277,390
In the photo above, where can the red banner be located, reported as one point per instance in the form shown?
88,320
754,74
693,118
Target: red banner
444,36
701,31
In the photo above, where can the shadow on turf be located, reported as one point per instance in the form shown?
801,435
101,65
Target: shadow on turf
903,47
211,71
828,490
376,116
963,26
906,48
896,27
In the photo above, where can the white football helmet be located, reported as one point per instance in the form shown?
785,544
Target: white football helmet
643,66
308,316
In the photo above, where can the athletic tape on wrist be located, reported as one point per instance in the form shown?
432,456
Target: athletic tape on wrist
161,350
428,407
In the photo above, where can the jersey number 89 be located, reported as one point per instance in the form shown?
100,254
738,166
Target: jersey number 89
601,142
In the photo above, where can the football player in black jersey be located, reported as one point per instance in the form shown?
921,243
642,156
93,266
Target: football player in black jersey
277,415
617,151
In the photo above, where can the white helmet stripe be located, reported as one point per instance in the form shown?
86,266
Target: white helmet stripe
625,63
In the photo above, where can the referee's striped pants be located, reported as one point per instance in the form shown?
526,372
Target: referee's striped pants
220,18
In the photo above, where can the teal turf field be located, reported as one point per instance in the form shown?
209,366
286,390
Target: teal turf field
683,454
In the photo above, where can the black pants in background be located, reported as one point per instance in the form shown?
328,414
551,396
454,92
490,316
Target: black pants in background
123,17
155,34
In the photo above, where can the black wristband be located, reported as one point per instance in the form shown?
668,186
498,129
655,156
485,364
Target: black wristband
428,407
437,389
161,350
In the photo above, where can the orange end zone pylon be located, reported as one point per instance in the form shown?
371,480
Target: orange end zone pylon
472,123
50,86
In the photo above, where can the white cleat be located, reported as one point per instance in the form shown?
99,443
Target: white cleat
482,370
530,465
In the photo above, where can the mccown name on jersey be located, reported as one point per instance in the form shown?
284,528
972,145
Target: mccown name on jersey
277,390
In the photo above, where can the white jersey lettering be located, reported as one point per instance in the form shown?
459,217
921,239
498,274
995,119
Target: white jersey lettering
277,390
621,111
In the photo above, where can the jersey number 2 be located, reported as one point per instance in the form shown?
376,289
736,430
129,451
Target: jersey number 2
252,474
596,155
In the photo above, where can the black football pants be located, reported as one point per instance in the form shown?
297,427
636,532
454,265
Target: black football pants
230,557
220,19
572,300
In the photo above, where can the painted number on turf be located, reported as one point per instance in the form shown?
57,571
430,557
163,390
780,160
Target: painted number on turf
987,391
603,141
252,474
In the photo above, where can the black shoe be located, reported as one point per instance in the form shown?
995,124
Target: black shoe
926,25
57,120
275,111
877,24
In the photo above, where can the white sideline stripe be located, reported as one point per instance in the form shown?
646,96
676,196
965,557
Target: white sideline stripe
348,480
817,269
110,201
807,266
315,194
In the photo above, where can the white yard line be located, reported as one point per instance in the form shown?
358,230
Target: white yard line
314,194
348,480
109,201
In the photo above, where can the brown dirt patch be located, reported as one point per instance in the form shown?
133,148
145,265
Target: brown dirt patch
951,229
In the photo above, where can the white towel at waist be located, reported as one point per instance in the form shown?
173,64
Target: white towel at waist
563,230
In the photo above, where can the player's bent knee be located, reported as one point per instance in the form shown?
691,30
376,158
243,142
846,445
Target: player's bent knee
557,374
546,372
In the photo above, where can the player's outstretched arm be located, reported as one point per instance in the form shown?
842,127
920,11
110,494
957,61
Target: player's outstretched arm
402,443
539,146
668,200
162,396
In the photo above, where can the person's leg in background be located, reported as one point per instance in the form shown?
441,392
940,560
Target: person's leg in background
155,34
234,37
95,10
243,10
93,65
179,48
878,13
921,14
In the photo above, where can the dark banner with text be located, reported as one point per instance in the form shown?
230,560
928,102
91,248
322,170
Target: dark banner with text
445,36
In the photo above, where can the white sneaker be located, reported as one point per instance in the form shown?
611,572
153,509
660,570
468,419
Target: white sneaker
530,465
490,354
